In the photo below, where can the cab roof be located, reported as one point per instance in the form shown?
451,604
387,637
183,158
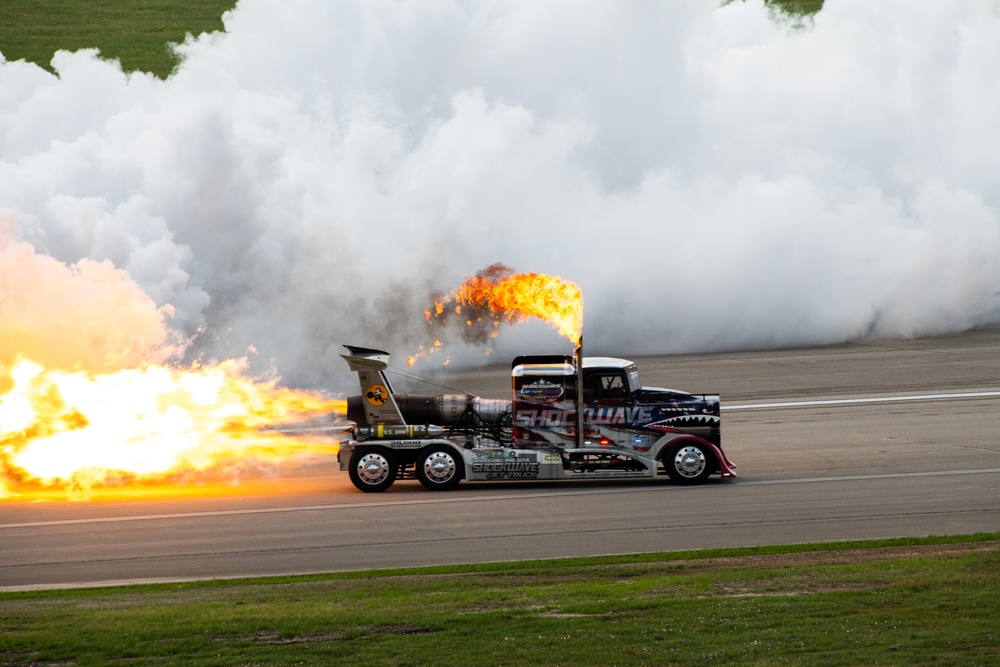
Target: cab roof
606,362
562,364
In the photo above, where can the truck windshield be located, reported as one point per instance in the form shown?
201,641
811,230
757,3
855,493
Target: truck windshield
633,380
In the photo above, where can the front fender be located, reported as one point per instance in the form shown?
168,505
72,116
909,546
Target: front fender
726,467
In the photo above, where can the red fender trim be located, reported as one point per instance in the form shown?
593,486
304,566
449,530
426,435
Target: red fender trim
726,467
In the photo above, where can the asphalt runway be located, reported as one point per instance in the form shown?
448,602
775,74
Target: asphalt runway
868,439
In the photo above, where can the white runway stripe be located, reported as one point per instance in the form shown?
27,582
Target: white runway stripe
874,399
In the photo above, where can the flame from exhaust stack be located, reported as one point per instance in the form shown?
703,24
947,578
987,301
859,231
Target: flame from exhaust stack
498,294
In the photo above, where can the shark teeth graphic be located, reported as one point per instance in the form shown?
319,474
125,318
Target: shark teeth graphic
688,420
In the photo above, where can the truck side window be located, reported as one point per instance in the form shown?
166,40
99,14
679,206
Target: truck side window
609,386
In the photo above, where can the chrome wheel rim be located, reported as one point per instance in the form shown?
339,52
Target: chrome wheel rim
439,467
373,468
690,461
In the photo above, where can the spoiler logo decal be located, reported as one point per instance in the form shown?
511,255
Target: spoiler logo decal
377,395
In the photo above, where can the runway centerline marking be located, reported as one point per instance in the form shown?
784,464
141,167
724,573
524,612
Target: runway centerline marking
466,498
854,401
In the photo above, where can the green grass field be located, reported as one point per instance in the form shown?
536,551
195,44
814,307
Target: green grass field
138,32
897,602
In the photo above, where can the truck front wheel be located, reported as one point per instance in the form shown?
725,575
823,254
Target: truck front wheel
373,469
439,468
688,463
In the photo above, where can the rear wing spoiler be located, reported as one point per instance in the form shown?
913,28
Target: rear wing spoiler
376,392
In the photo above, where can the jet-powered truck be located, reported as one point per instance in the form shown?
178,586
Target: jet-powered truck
569,417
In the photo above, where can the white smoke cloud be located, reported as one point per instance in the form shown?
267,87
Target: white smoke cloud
711,179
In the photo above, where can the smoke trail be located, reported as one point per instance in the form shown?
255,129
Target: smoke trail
710,178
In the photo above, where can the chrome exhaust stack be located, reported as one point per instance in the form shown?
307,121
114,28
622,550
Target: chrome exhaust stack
579,393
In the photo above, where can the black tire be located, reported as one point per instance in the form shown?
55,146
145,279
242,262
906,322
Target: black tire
688,462
439,468
373,469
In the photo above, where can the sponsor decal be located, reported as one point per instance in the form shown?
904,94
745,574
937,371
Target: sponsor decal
505,454
506,469
541,391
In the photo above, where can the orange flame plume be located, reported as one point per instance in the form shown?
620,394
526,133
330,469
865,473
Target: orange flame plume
81,432
91,403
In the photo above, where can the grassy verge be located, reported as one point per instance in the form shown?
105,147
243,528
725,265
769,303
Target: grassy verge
136,32
789,8
902,602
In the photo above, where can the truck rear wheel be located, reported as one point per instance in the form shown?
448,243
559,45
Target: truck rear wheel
439,468
373,469
688,463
